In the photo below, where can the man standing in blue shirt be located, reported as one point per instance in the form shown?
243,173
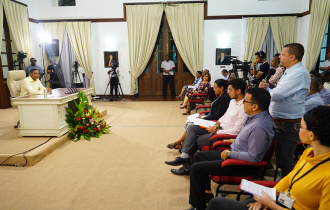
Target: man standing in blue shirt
287,104
34,65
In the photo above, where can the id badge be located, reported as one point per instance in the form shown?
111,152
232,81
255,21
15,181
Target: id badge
286,200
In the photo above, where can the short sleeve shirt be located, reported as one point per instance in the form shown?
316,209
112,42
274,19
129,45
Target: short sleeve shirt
168,66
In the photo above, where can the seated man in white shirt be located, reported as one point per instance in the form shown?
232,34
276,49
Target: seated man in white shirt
32,85
230,123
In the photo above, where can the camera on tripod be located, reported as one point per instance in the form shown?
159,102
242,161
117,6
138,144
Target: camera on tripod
113,67
237,64
76,65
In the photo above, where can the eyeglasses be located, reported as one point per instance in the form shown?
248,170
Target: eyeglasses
249,102
297,127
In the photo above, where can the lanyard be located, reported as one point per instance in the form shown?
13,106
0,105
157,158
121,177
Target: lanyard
292,182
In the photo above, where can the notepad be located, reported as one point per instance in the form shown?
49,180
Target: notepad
256,189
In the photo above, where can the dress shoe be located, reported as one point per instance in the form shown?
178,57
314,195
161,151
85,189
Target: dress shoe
180,171
208,197
178,161
194,208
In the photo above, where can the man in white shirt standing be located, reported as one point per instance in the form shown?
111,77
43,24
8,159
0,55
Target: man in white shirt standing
78,75
168,75
32,85
326,71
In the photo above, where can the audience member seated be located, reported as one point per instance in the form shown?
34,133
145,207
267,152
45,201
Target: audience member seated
324,93
195,84
313,99
250,145
275,64
230,123
262,71
203,87
325,76
225,74
217,110
309,181
32,85
314,73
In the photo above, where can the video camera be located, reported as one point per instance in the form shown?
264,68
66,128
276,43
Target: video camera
237,64
21,55
76,65
113,67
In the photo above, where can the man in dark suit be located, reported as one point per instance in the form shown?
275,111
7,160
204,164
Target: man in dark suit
223,59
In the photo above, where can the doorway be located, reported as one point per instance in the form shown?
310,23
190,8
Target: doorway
151,80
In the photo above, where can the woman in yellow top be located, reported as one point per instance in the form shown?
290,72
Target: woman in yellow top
309,182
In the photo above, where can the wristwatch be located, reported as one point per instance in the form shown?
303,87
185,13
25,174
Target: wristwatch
228,154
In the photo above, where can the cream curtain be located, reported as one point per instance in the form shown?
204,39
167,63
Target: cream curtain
143,22
256,32
56,31
80,37
18,22
284,31
318,21
186,22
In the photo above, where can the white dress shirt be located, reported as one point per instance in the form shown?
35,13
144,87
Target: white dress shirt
233,120
168,66
29,86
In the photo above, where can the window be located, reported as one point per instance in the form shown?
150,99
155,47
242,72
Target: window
324,48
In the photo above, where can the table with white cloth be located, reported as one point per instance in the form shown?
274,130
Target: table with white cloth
40,116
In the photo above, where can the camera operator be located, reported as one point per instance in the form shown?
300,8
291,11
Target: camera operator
53,71
34,65
262,72
114,74
78,75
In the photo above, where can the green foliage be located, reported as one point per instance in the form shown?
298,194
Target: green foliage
87,122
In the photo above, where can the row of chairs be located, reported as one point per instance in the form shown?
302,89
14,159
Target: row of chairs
230,167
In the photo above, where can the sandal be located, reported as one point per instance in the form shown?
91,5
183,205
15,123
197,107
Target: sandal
172,146
179,97
178,146
183,107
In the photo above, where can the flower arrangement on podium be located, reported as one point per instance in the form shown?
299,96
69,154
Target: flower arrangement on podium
86,122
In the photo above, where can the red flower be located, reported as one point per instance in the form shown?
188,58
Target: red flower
105,124
78,118
95,129
85,110
81,127
87,124
98,116
89,117
85,131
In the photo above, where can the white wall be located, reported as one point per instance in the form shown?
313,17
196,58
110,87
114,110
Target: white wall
112,36
216,37
251,7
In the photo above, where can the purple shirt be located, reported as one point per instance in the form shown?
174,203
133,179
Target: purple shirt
253,142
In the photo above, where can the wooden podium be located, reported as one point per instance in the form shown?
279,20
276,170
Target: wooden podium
41,116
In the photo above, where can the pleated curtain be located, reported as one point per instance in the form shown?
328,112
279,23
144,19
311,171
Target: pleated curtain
256,33
55,30
186,22
18,23
80,37
284,31
143,22
318,21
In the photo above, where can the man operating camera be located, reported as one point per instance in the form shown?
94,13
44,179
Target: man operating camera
114,74
78,75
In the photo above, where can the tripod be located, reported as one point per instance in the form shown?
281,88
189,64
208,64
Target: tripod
75,75
120,90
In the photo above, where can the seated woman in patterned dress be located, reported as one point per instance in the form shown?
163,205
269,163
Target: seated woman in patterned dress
203,88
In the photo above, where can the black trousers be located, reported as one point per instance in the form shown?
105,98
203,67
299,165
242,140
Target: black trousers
168,79
206,163
114,85
287,139
220,203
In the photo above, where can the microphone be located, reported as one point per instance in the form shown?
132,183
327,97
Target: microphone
270,73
